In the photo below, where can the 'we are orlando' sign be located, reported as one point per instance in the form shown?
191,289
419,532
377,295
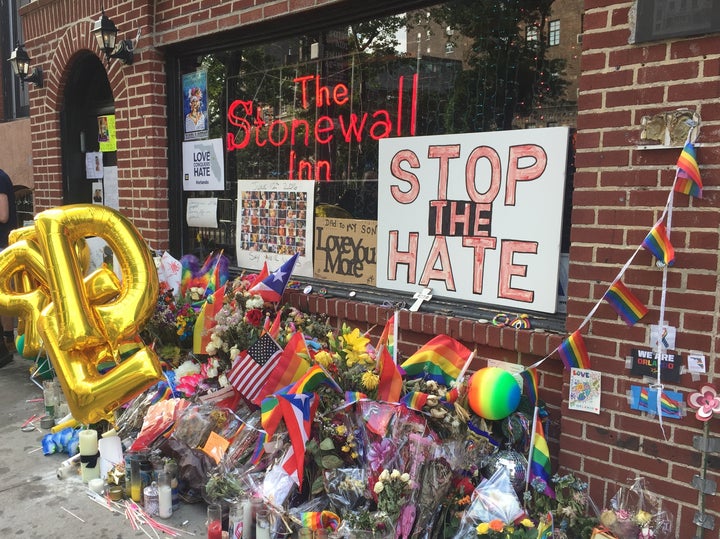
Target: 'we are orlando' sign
474,216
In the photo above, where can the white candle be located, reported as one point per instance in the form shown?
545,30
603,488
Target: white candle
89,461
248,524
165,501
88,442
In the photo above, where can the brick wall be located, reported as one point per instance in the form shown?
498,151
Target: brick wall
620,191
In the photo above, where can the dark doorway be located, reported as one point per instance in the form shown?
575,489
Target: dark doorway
87,96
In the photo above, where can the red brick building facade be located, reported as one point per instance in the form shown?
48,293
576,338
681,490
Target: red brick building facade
620,190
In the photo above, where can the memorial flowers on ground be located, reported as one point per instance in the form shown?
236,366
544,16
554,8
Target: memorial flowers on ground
339,423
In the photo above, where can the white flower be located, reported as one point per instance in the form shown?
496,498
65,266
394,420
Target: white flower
378,488
223,381
211,349
395,474
254,302
405,478
384,475
234,353
187,367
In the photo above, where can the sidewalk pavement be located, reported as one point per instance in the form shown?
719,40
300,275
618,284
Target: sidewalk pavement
34,503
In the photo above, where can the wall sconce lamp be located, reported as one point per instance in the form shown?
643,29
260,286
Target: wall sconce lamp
106,35
20,62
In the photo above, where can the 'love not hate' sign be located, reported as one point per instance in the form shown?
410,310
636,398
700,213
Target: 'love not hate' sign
474,216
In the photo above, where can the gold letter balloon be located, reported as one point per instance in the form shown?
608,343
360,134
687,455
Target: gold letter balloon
88,324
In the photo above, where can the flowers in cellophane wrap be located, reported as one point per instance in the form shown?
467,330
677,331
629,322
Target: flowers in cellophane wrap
171,325
573,512
636,512
497,529
392,489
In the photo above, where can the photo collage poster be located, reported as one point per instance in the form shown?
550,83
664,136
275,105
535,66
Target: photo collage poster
274,223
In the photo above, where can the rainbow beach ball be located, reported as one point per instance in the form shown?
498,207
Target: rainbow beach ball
493,393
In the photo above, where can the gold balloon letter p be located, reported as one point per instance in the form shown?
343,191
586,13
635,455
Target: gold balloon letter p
87,320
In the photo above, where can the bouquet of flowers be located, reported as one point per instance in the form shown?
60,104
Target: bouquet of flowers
635,512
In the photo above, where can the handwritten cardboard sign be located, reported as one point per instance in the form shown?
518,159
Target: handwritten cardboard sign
345,250
474,216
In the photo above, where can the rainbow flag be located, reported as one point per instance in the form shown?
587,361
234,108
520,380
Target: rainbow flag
391,382
530,379
351,397
387,338
573,352
540,459
627,305
647,402
688,179
317,520
441,360
310,381
291,366
658,243
415,400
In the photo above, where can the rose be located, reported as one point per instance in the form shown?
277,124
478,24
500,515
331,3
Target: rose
253,317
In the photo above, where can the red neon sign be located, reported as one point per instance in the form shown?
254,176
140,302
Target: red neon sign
254,130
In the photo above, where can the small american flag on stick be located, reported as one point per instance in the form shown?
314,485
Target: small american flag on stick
251,369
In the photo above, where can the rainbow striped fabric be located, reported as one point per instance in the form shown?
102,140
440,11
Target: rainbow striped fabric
390,383
658,243
688,179
441,359
530,379
627,305
540,460
573,352
415,400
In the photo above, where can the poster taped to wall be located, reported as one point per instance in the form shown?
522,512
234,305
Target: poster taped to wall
106,133
345,250
194,87
274,222
203,165
474,216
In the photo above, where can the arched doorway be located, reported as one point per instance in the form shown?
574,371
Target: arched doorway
88,96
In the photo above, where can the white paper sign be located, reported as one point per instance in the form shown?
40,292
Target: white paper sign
203,165
111,192
474,216
93,165
202,212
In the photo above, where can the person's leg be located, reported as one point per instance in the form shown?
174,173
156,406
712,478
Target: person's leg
8,326
6,355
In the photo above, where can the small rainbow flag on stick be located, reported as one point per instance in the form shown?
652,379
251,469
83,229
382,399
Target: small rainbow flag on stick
530,378
688,179
658,243
627,305
573,352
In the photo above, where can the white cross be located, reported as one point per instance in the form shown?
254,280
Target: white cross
424,295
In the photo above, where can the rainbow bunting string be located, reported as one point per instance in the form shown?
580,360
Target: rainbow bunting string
627,305
688,179
573,352
658,243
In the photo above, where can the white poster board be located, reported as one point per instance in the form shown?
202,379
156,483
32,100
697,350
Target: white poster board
474,216
203,165
275,221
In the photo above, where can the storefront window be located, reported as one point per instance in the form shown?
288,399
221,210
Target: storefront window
314,107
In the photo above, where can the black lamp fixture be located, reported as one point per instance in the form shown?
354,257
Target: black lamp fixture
20,62
106,35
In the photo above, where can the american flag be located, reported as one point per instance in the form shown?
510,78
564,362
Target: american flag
250,371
